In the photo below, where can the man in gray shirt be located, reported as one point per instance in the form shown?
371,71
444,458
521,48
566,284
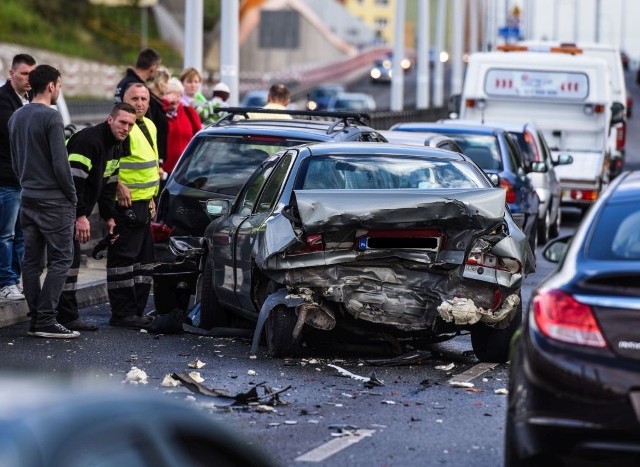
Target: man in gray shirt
48,200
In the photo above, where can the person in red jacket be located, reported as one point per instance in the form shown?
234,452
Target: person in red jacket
184,122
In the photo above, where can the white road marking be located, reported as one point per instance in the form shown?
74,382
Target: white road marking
473,372
334,446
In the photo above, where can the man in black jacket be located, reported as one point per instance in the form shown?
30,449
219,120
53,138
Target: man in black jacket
144,71
13,95
94,156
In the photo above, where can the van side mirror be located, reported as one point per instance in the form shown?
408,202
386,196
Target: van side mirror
563,159
495,179
617,113
538,167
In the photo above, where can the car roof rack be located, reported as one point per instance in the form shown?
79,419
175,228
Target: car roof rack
345,118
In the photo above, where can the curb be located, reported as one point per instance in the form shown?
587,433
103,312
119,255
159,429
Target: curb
88,294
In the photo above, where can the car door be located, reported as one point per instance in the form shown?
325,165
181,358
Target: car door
272,182
225,236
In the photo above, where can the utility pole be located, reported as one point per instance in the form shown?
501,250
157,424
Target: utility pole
397,73
438,79
229,50
193,25
456,52
423,69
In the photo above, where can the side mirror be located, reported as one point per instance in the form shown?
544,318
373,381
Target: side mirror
217,207
495,179
555,250
563,159
538,167
617,113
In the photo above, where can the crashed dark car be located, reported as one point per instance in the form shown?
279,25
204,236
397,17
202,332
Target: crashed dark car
381,241
215,164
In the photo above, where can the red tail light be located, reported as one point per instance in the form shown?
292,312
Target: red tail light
561,317
511,193
314,242
160,232
621,137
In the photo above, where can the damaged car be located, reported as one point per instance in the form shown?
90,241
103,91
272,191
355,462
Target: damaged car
378,241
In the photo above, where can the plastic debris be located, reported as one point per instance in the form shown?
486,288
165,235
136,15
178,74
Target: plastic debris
196,364
195,375
265,408
460,384
369,381
416,357
448,367
136,376
252,372
501,391
169,382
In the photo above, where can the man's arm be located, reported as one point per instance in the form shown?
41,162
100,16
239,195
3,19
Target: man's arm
59,157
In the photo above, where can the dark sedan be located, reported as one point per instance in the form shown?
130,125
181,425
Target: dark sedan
496,152
574,391
381,242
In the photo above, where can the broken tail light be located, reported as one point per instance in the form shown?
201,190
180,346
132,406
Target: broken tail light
313,243
160,232
511,192
560,316
494,262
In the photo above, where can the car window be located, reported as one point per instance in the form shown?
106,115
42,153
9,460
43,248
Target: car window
617,233
337,172
275,183
544,149
528,147
481,149
515,155
247,198
222,165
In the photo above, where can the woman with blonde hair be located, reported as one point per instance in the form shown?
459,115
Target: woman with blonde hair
191,80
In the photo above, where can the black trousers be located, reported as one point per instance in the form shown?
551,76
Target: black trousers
68,305
130,262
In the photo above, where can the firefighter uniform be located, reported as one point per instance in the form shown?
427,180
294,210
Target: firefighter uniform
130,259
94,156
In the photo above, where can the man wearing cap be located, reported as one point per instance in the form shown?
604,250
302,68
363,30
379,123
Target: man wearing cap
221,93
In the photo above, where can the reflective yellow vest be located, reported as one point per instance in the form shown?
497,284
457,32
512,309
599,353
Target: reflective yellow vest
139,169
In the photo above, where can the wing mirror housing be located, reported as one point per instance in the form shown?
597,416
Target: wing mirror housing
217,207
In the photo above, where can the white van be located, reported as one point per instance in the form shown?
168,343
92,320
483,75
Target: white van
610,54
566,95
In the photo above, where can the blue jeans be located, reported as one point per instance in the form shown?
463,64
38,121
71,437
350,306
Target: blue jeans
11,236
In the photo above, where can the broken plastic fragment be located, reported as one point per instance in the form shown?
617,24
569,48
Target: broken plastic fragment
448,367
196,364
252,372
195,375
169,382
368,381
460,384
136,376
501,391
265,408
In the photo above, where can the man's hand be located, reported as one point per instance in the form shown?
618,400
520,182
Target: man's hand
111,224
123,195
152,209
83,229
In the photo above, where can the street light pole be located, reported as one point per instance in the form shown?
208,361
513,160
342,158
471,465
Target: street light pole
229,50
422,68
397,73
193,24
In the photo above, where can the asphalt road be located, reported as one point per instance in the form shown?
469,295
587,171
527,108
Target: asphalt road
415,419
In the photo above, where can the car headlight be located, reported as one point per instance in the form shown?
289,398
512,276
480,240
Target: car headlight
375,73
405,64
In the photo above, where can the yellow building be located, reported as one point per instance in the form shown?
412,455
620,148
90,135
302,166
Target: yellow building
379,15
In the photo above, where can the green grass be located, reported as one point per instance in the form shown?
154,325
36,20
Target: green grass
106,34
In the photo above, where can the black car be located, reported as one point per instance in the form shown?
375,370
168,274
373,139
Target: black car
575,365
215,165
387,243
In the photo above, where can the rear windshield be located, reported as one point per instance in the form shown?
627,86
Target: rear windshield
481,149
616,235
338,172
223,164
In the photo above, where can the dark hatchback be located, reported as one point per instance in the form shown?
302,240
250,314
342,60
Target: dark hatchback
496,152
574,386
215,165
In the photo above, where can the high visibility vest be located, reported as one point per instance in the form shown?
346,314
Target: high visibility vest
139,169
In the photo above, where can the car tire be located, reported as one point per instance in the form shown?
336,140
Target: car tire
279,332
492,345
212,315
554,229
544,228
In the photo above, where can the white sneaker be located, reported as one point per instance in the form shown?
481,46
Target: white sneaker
11,292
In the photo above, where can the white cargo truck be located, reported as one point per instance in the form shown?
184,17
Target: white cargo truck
566,95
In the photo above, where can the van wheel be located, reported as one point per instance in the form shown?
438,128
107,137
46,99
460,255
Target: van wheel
492,345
